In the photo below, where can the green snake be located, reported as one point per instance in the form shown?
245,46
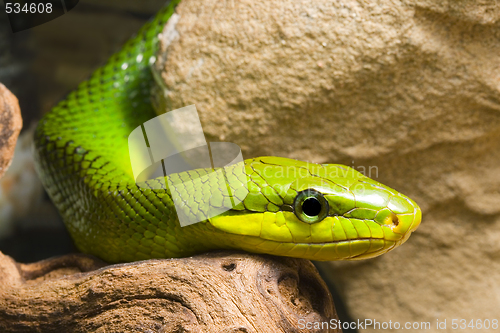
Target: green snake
293,208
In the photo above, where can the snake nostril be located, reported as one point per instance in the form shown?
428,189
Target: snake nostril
395,220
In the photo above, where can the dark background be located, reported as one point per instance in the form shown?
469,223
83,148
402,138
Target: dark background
40,66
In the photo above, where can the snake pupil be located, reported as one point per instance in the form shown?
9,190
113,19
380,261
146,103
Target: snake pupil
311,207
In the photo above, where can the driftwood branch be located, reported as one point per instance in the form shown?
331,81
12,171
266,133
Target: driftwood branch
215,292
10,126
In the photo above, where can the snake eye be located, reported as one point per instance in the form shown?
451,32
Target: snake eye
310,206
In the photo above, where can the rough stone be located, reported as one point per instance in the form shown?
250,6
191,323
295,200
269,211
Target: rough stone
409,88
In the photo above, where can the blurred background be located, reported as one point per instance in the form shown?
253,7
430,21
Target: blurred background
40,66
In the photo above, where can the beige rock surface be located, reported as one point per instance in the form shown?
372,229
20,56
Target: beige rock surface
411,88
10,126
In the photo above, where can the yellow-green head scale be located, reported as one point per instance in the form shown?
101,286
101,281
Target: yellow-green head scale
319,212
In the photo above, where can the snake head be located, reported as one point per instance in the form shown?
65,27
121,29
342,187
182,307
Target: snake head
317,212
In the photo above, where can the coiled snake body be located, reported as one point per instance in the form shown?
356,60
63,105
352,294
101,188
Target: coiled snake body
293,208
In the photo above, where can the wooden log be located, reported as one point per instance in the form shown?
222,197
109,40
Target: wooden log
214,292
10,126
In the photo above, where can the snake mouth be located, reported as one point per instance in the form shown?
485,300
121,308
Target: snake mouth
350,249
377,239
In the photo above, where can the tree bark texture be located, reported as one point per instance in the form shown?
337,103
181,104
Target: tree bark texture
214,292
